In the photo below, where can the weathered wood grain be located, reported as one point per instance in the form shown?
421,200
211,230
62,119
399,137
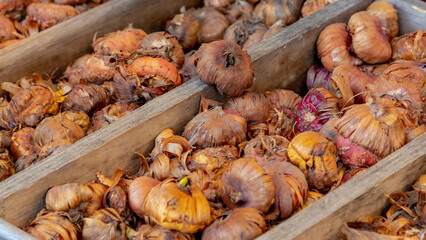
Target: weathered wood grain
52,49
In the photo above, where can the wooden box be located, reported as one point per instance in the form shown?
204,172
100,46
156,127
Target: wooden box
279,62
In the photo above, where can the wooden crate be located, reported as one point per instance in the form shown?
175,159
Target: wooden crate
281,61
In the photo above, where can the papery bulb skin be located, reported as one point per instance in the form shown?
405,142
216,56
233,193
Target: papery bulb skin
117,45
311,6
317,77
217,3
49,14
348,175
147,231
387,15
292,190
369,41
110,114
317,157
185,27
251,105
239,224
315,109
6,29
165,45
333,45
87,98
89,68
138,190
358,80
29,107
104,224
226,65
213,159
274,29
329,130
286,10
215,128
7,167
213,24
48,224
155,73
237,192
266,148
382,120
169,206
22,143
410,46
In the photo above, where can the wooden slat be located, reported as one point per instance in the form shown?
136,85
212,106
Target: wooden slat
52,49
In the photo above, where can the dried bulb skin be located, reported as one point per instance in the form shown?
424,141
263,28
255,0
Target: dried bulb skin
87,98
81,118
217,3
185,27
315,109
49,14
138,192
213,24
5,138
275,28
86,198
251,105
292,190
146,231
215,128
170,207
189,70
28,107
53,147
10,5
119,44
48,224
110,114
369,41
166,45
25,161
155,73
56,128
22,143
6,29
311,6
226,65
104,224
387,14
257,36
265,148
318,77
382,121
213,159
286,10
333,46
411,134
329,130
404,70
7,167
340,87
244,30
239,224
410,46
69,2
358,80
89,68
244,184
237,9
406,95
317,157
350,174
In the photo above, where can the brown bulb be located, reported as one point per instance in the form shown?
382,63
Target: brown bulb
266,148
410,46
213,159
213,24
87,98
49,14
48,224
185,27
215,128
251,105
387,14
110,114
22,143
88,69
166,45
226,65
238,191
104,224
239,224
286,10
